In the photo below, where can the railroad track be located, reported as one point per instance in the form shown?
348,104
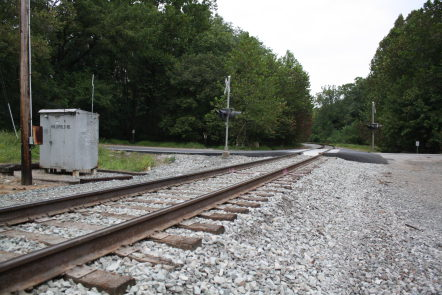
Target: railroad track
126,215
26,212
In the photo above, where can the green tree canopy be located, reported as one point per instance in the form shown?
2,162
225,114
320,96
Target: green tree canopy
406,73
404,82
158,67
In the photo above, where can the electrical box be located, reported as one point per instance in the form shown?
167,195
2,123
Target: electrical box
70,140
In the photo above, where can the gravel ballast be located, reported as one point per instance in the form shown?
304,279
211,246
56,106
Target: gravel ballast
182,164
346,228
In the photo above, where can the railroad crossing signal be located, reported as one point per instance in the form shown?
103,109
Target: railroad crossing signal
227,113
374,126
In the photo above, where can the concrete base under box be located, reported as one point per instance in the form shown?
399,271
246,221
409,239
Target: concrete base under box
75,173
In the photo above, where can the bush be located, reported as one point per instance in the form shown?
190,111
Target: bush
348,134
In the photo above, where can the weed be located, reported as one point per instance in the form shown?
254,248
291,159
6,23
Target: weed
117,160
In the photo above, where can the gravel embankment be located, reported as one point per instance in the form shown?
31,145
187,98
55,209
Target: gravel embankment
343,229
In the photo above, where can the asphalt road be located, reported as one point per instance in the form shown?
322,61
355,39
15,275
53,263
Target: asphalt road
357,156
209,152
345,154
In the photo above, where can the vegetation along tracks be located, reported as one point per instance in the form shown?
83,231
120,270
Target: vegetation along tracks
138,217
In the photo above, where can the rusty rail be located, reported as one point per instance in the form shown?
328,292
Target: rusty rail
25,212
97,179
28,270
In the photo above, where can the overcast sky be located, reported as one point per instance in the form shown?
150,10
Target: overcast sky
334,40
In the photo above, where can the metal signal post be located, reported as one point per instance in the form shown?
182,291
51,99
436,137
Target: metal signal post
227,91
373,126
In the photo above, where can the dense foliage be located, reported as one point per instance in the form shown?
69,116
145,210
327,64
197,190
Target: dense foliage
342,113
404,82
159,68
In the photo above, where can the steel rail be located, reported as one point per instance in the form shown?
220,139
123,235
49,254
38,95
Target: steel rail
39,266
25,212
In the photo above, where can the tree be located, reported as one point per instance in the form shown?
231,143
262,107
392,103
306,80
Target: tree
342,113
404,82
252,68
158,68
293,88
406,73
9,61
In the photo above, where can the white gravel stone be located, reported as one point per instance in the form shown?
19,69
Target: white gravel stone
19,245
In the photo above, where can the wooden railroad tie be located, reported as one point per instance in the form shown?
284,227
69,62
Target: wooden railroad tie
219,216
181,242
112,283
135,254
141,208
205,227
5,255
255,199
262,194
38,237
151,202
70,224
234,209
244,204
114,215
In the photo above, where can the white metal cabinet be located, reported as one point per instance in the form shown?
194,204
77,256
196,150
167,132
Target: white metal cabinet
70,140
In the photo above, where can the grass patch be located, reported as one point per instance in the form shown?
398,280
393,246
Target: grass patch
357,147
10,149
194,145
125,161
114,141
169,160
170,144
10,152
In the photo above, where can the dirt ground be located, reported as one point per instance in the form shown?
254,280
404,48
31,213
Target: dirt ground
12,184
418,178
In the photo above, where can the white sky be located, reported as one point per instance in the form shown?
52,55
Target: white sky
334,40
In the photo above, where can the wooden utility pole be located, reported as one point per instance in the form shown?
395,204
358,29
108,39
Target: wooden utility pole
26,170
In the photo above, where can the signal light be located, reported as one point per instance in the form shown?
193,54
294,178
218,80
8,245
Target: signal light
374,126
230,113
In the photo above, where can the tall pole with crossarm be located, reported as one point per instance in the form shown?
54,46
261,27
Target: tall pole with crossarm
26,169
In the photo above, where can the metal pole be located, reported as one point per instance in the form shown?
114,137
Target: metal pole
93,90
26,171
226,146
31,135
372,122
